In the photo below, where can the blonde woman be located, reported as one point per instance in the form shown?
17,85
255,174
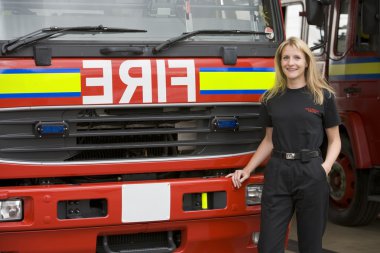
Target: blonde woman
296,114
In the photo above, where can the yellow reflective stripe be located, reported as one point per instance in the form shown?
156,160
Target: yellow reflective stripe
40,83
355,68
236,80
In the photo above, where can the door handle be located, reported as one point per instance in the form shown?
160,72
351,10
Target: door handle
351,90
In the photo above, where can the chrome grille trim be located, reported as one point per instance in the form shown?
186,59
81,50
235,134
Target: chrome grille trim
125,161
70,107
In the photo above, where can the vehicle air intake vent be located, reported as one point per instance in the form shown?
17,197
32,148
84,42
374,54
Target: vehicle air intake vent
128,133
165,242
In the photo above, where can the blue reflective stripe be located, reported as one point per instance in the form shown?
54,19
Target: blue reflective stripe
355,77
357,60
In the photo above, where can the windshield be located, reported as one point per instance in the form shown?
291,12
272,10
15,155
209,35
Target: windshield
163,19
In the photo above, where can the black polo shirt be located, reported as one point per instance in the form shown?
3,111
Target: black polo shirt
298,123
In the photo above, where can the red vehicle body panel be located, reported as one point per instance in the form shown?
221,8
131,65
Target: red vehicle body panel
134,106
202,231
359,110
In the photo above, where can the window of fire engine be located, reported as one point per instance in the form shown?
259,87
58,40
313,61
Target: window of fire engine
365,42
163,19
315,37
341,41
294,25
293,20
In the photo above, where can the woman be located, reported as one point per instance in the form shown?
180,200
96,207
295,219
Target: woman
296,113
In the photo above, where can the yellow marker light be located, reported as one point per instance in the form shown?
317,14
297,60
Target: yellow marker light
204,200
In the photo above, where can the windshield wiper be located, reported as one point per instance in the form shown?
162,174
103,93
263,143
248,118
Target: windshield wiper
185,36
53,32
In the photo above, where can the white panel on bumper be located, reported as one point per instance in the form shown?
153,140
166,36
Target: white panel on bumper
145,202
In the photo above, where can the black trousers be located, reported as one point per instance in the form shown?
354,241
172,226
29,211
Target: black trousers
293,186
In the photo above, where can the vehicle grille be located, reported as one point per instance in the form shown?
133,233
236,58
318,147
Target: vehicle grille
127,133
164,242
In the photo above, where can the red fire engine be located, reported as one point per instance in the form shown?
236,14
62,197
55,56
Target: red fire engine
346,37
119,120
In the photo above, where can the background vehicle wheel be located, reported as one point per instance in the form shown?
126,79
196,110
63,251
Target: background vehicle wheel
349,204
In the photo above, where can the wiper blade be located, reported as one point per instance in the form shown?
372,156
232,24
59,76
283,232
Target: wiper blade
185,36
54,31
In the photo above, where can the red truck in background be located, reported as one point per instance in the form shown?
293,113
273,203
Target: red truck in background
120,119
345,35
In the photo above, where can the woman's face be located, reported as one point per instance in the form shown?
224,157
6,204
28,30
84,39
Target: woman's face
293,64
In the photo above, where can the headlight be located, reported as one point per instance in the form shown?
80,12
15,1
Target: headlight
253,194
11,210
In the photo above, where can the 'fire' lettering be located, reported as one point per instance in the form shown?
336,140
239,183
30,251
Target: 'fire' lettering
105,81
145,81
168,74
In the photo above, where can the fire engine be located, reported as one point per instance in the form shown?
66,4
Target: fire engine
345,35
119,120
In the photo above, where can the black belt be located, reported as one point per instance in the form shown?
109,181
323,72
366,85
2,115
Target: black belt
305,155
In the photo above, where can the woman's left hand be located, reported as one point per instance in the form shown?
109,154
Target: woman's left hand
326,168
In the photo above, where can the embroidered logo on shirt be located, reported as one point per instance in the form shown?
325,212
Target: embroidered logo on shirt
312,110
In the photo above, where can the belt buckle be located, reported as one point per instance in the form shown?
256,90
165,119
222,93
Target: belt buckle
290,156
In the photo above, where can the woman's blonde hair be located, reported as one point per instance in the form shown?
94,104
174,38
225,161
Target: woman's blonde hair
315,82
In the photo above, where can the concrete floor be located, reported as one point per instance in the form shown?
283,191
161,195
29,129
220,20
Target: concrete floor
341,239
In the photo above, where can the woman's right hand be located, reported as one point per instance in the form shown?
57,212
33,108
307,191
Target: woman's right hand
262,152
238,177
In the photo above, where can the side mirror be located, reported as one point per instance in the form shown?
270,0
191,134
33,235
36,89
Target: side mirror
371,17
314,11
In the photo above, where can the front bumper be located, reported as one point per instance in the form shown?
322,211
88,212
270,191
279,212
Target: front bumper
219,235
226,229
